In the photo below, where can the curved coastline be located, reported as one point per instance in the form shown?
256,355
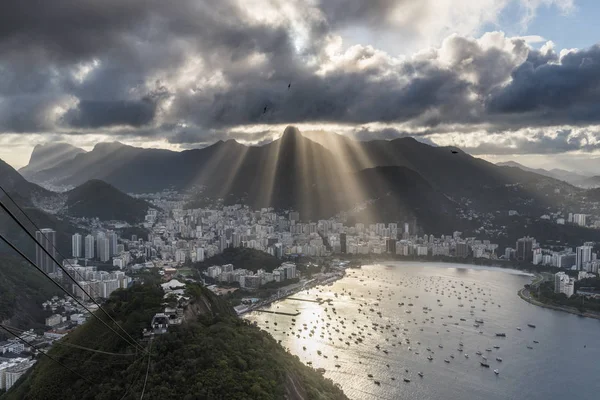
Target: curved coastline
524,294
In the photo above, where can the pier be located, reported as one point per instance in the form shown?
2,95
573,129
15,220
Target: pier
307,300
279,312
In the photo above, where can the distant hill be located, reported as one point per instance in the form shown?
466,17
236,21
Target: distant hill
567,176
45,156
96,198
590,182
213,355
22,291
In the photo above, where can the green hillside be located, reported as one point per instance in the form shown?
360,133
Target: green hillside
242,257
96,198
213,355
22,291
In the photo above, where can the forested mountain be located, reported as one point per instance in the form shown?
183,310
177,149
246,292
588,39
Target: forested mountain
212,355
22,291
96,198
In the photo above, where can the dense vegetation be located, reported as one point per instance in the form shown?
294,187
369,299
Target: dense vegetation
22,291
242,257
546,295
214,355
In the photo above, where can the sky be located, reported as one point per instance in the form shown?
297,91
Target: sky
501,79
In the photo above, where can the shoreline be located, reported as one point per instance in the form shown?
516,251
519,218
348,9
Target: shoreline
570,310
459,265
270,301
342,274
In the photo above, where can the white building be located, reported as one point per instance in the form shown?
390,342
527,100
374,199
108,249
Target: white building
564,284
53,320
10,372
89,247
579,219
180,256
103,248
119,262
200,254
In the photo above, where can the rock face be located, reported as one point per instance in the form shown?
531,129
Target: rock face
45,156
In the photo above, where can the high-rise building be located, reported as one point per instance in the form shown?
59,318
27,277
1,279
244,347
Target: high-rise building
47,238
343,248
112,242
200,254
583,255
89,247
524,250
76,244
103,248
278,250
579,219
236,239
390,246
294,216
180,255
564,284
222,243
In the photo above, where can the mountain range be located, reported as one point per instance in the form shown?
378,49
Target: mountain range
576,179
320,176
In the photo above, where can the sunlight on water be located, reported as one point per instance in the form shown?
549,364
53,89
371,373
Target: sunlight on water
383,324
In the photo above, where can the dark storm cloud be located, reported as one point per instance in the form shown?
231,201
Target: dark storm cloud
95,114
565,92
337,97
148,68
344,12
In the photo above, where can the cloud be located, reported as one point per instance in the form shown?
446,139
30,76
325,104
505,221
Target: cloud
550,93
95,114
540,142
202,71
